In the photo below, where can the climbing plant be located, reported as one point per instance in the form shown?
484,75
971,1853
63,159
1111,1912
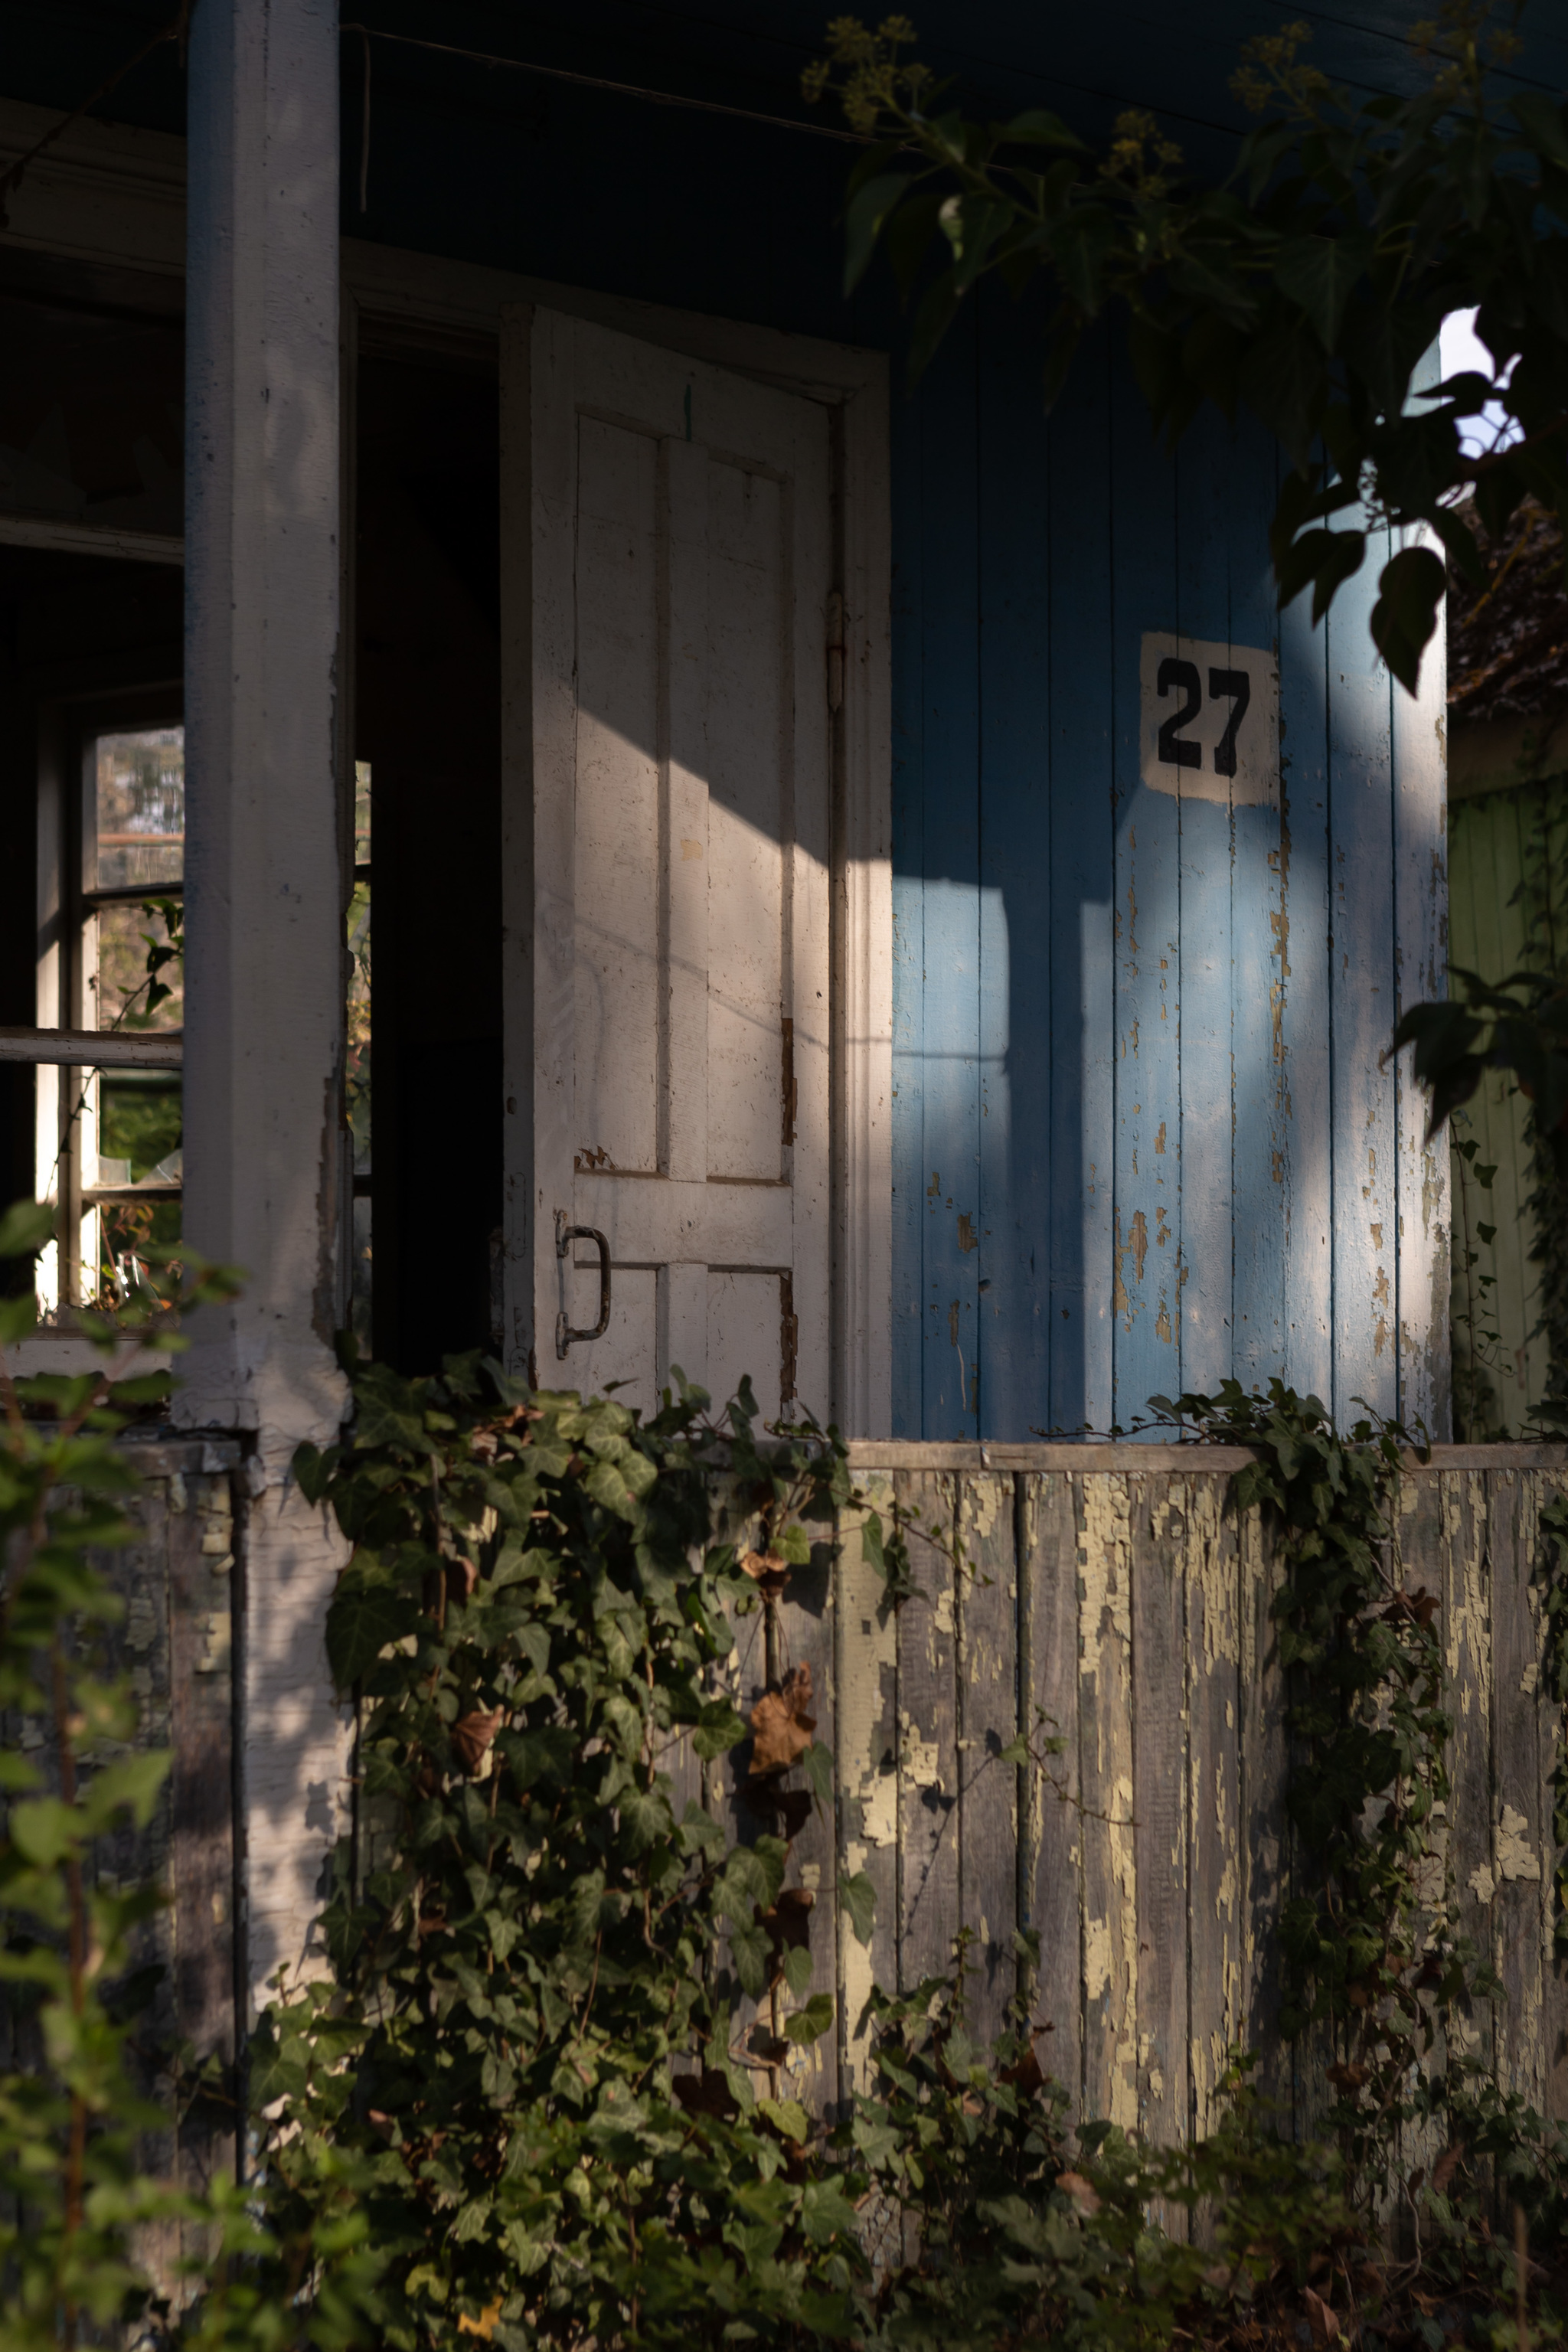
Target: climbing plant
1369,1949
572,1974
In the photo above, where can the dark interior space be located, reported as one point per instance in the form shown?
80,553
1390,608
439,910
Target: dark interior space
427,702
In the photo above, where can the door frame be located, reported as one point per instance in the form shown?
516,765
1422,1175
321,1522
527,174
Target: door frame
114,195
413,303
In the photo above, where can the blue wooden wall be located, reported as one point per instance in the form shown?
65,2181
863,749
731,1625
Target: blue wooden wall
1144,1134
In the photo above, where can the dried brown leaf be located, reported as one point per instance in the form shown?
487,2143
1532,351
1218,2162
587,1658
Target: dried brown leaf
782,1725
768,1570
1084,2194
1321,2318
471,1736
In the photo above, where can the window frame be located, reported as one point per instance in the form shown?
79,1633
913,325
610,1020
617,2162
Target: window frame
66,1113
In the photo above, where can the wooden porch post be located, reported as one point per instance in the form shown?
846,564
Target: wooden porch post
264,974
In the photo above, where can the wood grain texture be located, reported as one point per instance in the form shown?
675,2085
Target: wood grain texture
865,1739
1215,1801
1199,1315
1467,1665
201,1556
1018,848
1261,1085
1050,1866
1111,1955
987,1722
1077,1214
1420,766
807,1637
1149,1203
1362,992
1157,1510
1517,1878
1265,1751
928,1914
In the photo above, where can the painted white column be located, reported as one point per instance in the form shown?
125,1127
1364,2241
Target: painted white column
264,959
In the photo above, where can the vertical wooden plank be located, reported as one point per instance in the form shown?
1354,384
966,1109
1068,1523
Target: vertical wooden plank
1260,1088
1362,994
949,708
1419,1557
1159,1508
1201,1319
927,1733
1082,794
1105,1775
1304,1034
1550,1487
1051,1868
1467,1661
1516,1822
807,1639
1147,1211
987,1722
1018,1041
1420,761
201,1556
865,1778
1264,1762
1215,1799
908,1144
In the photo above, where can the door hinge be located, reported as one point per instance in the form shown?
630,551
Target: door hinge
836,650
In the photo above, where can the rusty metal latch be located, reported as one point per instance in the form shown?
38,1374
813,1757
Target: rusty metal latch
565,1235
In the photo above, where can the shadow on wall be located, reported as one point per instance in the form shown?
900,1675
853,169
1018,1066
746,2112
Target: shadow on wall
1142,1136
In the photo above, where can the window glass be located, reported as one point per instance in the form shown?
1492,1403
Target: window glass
141,985
141,808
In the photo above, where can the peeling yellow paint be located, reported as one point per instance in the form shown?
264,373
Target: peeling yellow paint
866,1661
1516,1857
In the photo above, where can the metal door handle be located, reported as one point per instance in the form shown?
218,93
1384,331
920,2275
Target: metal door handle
565,1235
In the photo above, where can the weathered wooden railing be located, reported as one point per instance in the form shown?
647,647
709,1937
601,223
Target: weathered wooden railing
1111,1589
1114,1591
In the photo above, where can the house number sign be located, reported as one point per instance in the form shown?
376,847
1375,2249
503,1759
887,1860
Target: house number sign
1209,719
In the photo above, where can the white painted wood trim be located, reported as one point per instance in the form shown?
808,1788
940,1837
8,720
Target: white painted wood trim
91,539
264,1023
93,1049
551,645
101,192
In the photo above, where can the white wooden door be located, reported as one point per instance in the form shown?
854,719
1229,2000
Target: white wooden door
667,560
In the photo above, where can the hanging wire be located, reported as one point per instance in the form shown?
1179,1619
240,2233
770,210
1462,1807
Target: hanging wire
368,33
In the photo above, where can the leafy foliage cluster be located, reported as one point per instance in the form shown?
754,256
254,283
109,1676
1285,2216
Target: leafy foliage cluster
545,2096
564,2001
1371,1953
1307,288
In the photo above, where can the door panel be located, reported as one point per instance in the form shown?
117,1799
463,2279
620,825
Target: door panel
666,585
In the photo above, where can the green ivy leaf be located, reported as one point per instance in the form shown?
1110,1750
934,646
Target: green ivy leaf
365,1617
857,1898
810,2023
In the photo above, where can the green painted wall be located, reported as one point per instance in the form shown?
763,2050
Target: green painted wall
1495,841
